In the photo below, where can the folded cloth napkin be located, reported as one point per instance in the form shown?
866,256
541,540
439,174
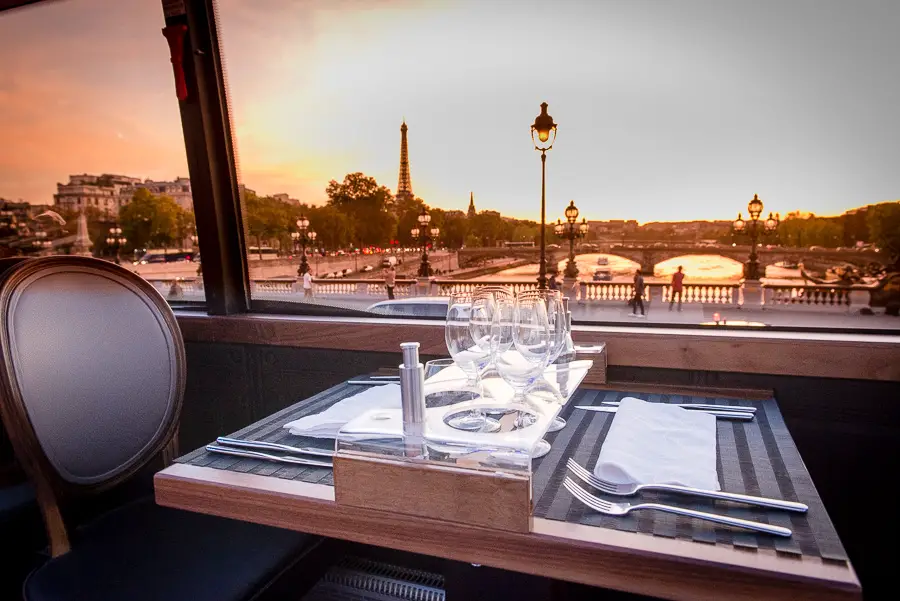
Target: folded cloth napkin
655,443
328,423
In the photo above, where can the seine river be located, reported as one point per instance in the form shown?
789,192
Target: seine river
697,268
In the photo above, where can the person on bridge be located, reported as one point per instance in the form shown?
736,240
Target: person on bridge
390,279
638,300
677,286
307,284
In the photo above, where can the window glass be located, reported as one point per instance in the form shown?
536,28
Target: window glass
716,163
89,127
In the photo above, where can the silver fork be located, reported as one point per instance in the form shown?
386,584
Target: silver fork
598,504
627,490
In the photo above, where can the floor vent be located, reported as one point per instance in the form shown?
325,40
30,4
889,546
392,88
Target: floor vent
358,579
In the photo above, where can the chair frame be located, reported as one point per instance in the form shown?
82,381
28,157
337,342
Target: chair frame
51,490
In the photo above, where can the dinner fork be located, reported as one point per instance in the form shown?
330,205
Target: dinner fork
618,509
627,490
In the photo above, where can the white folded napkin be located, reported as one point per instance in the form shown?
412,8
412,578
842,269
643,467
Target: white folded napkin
654,443
328,423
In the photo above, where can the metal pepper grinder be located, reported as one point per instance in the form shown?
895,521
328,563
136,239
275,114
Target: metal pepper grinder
412,399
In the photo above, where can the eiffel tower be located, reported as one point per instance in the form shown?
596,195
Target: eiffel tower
404,186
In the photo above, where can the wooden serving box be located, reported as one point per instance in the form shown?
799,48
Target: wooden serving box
452,493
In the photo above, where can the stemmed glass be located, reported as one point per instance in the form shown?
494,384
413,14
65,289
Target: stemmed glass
524,349
470,354
557,321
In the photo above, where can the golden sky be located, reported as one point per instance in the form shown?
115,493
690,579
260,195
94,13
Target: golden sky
666,110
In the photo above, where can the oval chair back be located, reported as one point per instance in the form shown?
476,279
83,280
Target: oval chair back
92,374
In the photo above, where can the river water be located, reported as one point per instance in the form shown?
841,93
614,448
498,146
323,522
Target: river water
697,268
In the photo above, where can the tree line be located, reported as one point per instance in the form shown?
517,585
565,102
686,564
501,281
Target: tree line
360,213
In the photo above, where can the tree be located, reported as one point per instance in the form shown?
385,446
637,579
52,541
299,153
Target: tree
884,229
488,226
268,220
454,229
368,205
332,226
151,221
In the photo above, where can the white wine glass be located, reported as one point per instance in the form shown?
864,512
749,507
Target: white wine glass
470,355
527,353
557,320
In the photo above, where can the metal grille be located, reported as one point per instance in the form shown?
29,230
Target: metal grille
364,579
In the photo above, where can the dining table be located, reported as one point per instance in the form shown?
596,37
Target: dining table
648,552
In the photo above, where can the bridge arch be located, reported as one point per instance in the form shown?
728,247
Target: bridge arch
717,267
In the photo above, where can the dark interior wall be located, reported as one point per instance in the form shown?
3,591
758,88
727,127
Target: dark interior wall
848,431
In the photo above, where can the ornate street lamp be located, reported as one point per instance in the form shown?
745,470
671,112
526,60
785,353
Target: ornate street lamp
754,227
303,236
115,240
424,234
543,134
571,231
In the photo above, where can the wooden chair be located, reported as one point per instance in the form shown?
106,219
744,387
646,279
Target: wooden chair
92,377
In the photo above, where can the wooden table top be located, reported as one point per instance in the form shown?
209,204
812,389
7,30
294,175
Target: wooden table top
627,561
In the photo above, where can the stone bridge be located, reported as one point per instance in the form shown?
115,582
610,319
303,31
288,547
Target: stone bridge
649,256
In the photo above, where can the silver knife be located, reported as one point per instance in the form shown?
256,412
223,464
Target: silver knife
261,445
698,407
265,456
734,415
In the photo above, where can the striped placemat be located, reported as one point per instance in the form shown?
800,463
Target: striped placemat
756,458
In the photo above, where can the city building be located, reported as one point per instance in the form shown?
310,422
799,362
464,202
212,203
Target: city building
286,199
179,190
104,192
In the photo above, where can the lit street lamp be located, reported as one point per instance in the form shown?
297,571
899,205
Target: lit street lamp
303,236
571,231
754,227
116,240
424,234
543,134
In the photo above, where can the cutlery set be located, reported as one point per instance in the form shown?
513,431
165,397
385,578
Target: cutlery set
315,457
729,412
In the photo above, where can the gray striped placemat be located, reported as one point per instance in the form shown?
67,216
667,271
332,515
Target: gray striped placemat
755,458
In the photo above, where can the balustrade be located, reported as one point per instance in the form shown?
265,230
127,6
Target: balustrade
809,296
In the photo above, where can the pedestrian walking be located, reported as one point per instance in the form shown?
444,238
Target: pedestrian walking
677,286
390,279
553,284
638,300
307,284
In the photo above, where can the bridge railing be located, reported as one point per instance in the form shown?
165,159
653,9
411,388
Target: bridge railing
820,296
448,287
707,294
773,296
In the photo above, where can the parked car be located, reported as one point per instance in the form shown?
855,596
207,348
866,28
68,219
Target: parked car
426,306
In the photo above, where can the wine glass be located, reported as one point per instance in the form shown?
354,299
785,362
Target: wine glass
491,310
557,320
524,351
470,355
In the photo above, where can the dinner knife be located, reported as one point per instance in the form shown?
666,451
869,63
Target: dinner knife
733,415
261,445
698,406
212,448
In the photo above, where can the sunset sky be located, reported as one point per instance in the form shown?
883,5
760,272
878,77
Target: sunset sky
666,110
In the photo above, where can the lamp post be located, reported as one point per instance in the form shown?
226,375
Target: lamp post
754,228
571,231
543,134
115,240
195,245
303,236
424,234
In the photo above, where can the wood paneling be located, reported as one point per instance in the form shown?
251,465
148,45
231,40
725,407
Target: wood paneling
864,357
660,567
